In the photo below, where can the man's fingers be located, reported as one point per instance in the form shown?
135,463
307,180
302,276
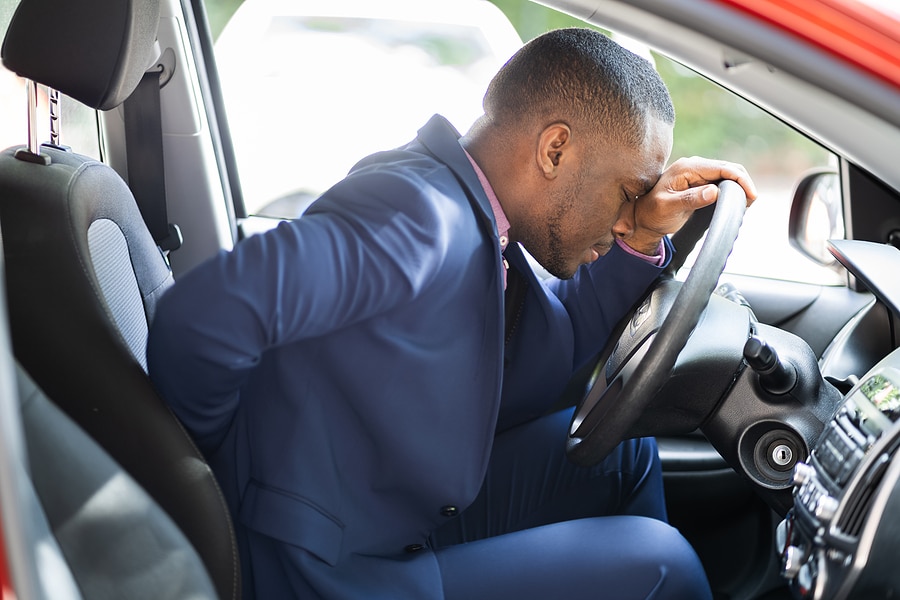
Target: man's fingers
697,196
696,171
687,185
738,174
708,195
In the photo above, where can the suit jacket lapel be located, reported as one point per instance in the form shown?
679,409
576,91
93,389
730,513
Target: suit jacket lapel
441,139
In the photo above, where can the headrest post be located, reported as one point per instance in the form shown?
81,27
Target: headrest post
32,153
33,145
54,116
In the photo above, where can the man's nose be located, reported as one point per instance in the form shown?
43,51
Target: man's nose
624,225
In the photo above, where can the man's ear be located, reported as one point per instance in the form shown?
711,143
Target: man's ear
553,146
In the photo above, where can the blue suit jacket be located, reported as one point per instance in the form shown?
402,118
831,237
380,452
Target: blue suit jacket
346,372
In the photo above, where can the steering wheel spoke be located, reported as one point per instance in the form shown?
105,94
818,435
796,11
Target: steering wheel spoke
631,373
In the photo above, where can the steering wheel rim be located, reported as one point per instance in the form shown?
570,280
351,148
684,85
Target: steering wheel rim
607,410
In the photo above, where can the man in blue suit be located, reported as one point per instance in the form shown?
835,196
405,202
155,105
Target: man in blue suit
371,382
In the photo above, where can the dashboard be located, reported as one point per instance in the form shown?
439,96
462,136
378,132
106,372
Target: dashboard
841,539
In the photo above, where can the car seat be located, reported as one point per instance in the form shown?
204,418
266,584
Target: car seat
84,274
98,534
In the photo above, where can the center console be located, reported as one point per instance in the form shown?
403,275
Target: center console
842,537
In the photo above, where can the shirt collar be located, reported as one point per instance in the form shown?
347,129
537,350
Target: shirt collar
499,215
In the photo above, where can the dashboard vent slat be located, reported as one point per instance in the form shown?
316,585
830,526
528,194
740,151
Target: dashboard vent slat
854,515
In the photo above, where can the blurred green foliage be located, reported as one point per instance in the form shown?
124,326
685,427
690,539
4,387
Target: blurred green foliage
711,121
531,19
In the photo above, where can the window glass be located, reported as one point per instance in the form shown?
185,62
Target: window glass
320,86
78,127
714,122
323,89
13,103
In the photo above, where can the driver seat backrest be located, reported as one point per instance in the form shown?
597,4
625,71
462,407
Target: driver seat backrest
84,274
87,550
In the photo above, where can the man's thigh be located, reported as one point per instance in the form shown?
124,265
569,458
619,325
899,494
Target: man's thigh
615,558
531,482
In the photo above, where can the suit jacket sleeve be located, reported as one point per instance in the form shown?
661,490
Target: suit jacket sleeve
602,295
373,241
563,324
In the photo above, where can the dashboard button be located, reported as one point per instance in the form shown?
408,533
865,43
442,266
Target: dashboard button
791,561
825,508
802,473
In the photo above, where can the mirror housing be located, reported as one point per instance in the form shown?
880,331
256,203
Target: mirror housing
816,215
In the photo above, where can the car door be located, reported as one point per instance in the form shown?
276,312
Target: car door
788,287
731,528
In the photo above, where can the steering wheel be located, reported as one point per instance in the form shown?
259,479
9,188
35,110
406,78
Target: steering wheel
630,373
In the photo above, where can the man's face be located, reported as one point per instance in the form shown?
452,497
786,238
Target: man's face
592,200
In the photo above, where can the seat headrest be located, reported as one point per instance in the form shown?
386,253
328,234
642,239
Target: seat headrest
95,51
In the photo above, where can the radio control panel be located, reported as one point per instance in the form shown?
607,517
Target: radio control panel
842,536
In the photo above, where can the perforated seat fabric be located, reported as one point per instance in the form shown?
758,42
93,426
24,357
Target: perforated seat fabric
119,286
116,542
79,303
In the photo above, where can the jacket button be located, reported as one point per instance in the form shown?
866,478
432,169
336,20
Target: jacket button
449,511
414,548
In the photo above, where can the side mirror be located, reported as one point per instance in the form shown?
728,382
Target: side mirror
816,215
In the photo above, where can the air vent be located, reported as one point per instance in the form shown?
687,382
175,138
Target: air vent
853,517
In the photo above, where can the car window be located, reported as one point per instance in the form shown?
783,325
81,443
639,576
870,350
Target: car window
78,126
317,88
320,85
714,122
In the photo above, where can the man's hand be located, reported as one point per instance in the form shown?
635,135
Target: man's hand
686,185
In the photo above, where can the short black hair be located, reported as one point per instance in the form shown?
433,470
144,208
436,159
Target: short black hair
580,76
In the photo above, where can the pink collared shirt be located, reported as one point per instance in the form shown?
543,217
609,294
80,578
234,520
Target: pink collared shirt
499,215
503,224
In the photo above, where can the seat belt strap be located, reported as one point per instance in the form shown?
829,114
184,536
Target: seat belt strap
146,171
